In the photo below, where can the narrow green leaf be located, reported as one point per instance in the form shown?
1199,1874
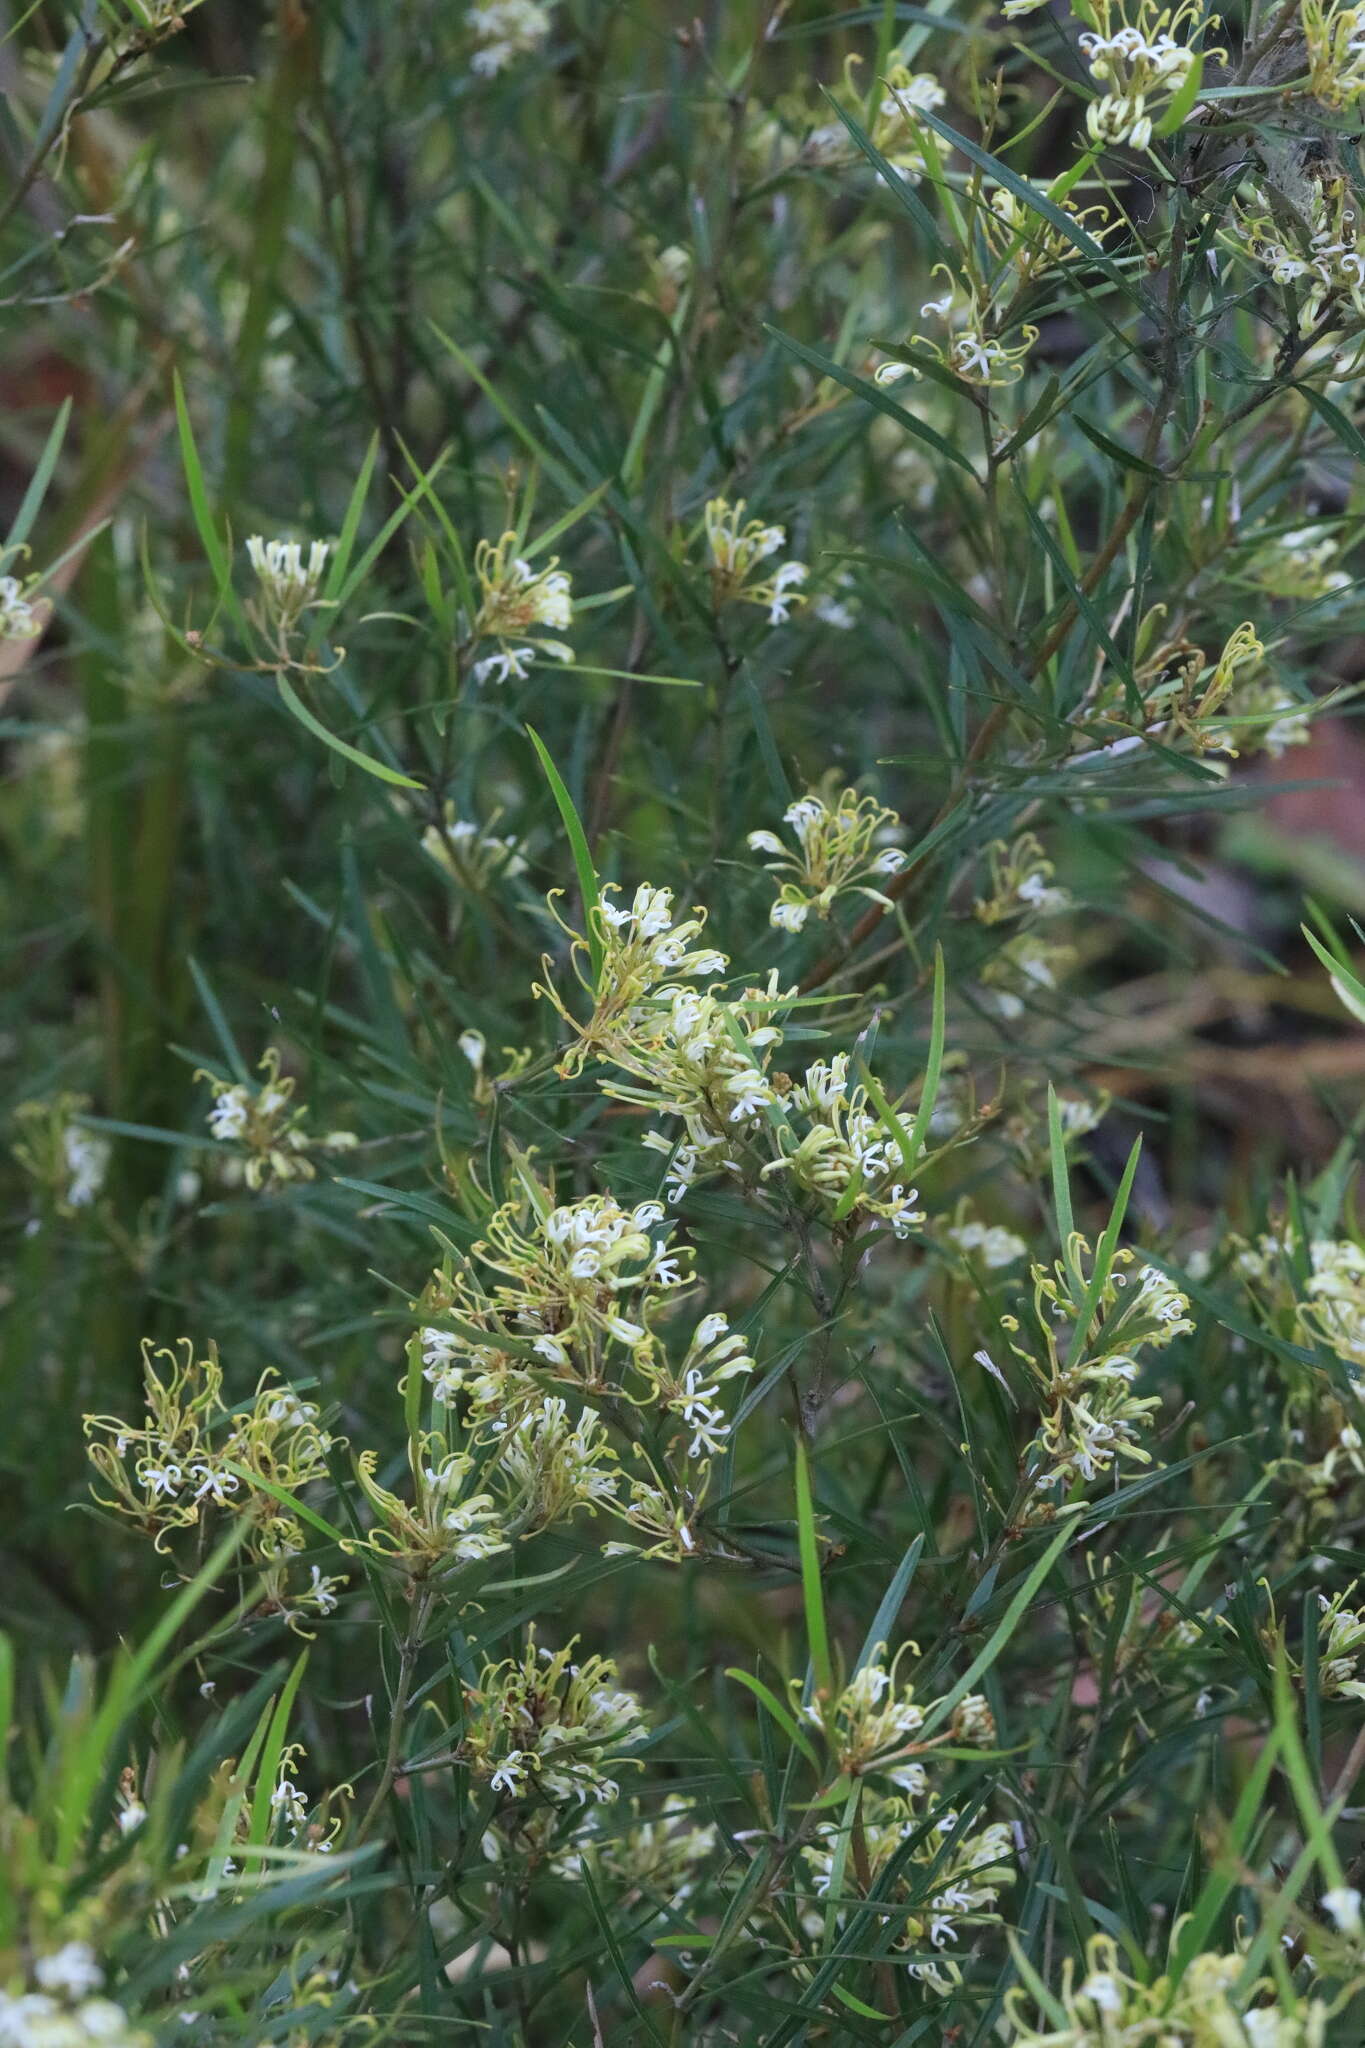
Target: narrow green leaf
784,1719
582,857
890,1604
933,1068
350,525
812,1590
1061,1178
1003,1630
209,538
873,395
31,502
262,1808
380,769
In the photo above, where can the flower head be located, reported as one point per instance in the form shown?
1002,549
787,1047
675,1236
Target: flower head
842,844
518,606
287,583
738,553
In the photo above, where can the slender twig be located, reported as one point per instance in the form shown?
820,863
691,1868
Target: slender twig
398,1715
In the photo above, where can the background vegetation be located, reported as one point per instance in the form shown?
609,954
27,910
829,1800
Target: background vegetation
1078,616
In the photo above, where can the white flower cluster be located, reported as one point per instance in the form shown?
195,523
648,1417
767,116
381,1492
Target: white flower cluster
1327,265
870,1728
447,1525
1302,565
845,1151
969,349
288,584
703,1070
265,1127
64,2011
1210,2004
20,618
1341,1647
1140,62
1331,1310
738,554
87,1156
580,1293
68,1160
895,132
518,605
648,924
473,855
660,1856
1025,968
1032,245
568,1280
992,1244
643,950
192,1455
556,1465
544,1726
291,1806
870,1724
716,1354
840,845
704,1058
1090,1417
1022,886
1334,34
505,30
1336,1289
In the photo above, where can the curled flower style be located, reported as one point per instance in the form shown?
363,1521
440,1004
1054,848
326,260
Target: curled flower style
642,953
1209,2004
553,1466
834,1143
544,1726
192,1455
584,1281
451,1521
579,1294
951,1876
738,554
840,846
264,1126
60,1154
706,1059
1142,56
1334,35
1022,884
1031,244
871,1723
1232,704
473,855
516,602
1090,1416
972,349
896,132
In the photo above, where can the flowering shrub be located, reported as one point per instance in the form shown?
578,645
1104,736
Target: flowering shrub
686,1302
